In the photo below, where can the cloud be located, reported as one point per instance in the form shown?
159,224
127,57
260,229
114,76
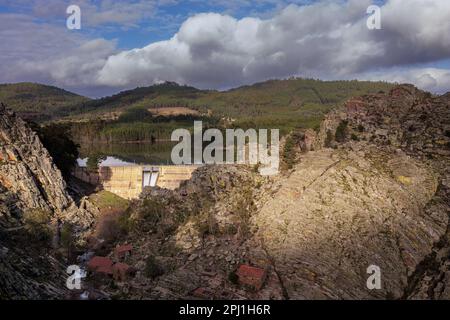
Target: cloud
431,79
126,13
325,40
45,53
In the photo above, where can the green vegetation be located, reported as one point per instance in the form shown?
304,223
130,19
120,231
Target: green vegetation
94,161
56,138
233,277
152,268
135,114
126,117
161,94
342,132
291,147
37,101
282,104
37,224
329,139
106,200
67,238
148,215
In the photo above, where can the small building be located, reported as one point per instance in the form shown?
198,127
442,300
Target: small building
252,277
122,252
100,265
121,271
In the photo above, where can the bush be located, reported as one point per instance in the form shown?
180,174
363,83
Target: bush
329,139
342,132
37,224
67,236
152,268
57,139
94,161
233,278
151,212
290,148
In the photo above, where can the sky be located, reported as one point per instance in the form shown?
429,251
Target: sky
221,44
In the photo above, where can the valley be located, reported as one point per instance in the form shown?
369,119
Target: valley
368,185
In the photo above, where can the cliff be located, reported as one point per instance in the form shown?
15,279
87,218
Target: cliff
33,203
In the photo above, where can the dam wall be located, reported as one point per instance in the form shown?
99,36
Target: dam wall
129,181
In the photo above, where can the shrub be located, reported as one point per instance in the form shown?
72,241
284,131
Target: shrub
151,212
342,132
37,224
57,139
329,139
94,161
67,236
290,148
360,128
233,278
152,268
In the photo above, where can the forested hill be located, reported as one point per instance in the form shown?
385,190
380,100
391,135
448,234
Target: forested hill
37,101
284,104
274,100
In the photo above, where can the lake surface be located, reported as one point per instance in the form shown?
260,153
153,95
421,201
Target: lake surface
123,154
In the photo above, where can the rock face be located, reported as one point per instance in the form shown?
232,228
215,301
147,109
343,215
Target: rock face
371,188
27,169
30,184
380,197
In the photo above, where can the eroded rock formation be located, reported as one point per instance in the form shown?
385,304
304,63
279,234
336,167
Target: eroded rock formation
32,194
370,188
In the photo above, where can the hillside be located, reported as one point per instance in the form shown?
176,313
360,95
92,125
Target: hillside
152,112
371,187
37,101
128,99
274,102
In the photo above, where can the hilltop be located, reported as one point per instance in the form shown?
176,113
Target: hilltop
37,101
275,102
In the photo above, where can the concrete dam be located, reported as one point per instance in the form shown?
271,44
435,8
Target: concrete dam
129,181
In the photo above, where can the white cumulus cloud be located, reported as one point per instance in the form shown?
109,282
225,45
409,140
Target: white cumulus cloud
326,39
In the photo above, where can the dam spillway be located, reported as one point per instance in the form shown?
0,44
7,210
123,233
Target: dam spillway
129,181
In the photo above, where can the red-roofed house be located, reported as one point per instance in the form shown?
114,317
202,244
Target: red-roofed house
123,251
100,265
251,276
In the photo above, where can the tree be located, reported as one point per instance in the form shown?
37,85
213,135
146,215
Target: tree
56,138
342,132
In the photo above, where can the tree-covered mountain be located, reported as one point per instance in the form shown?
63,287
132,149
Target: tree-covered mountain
37,101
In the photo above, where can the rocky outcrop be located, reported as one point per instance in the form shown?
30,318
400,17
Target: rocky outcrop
31,187
371,188
378,197
27,170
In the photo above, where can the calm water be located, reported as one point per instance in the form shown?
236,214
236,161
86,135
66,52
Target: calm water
122,154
